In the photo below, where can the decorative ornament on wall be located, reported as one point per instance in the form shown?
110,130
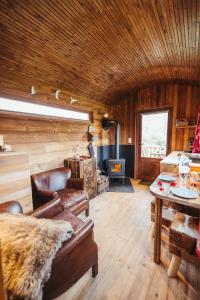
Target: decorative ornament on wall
56,94
72,100
32,90
91,134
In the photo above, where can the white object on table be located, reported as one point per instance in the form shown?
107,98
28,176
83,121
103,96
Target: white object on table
185,193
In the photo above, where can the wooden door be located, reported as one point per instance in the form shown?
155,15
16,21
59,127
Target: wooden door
154,143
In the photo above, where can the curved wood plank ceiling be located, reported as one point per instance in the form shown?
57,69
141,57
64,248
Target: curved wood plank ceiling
101,49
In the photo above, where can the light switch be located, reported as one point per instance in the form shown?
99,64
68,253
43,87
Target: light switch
129,140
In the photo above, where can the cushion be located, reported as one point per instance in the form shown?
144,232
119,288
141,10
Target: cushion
72,197
66,215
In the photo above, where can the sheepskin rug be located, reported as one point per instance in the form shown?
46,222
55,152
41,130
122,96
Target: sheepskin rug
28,247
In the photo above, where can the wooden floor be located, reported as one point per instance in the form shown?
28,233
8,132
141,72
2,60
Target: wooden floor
126,271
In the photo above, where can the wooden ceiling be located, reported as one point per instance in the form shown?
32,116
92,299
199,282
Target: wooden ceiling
100,49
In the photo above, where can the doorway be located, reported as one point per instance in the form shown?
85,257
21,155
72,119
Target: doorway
153,142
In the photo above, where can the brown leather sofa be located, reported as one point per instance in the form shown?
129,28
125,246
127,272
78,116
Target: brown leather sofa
70,190
76,255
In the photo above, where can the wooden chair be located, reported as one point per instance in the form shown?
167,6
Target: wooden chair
179,232
168,214
183,235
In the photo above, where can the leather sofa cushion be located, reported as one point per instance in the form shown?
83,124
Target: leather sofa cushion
72,197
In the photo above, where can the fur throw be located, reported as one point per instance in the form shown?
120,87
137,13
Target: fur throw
28,247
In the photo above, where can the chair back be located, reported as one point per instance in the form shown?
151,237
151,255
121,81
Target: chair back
51,180
11,207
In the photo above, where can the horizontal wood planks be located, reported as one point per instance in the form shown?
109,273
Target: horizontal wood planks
100,49
15,179
48,142
182,99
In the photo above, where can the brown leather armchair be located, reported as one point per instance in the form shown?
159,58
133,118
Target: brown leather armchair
70,190
76,255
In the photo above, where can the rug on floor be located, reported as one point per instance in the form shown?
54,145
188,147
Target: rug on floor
116,185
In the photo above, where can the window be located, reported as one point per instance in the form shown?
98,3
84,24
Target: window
43,110
154,134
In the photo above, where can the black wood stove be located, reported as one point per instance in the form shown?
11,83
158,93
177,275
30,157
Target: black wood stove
116,166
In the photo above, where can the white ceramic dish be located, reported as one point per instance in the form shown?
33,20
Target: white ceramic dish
185,193
168,178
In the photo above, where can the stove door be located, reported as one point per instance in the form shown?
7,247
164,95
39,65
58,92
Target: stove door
116,169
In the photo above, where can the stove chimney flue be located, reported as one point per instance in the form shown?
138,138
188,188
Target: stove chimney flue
117,136
106,124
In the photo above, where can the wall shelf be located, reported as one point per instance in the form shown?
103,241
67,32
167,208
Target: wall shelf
186,127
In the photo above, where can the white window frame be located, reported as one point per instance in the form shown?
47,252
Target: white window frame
18,106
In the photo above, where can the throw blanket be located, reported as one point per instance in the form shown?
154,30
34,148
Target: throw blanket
28,247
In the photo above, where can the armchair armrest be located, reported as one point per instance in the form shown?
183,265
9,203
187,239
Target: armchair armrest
11,207
48,210
77,238
76,183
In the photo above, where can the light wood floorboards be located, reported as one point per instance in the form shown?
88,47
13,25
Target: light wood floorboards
126,270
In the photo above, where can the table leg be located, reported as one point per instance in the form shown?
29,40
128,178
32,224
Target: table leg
158,223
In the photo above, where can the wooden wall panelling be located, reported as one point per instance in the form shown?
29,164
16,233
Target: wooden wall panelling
174,117
187,116
49,142
15,179
183,99
124,113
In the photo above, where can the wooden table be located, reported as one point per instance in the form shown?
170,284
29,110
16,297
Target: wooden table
162,196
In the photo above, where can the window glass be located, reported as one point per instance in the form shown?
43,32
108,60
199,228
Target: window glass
43,110
154,134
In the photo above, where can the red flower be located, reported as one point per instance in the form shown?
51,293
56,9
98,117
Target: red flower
159,182
161,189
173,183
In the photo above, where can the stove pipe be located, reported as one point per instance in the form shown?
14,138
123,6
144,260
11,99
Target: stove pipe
117,135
